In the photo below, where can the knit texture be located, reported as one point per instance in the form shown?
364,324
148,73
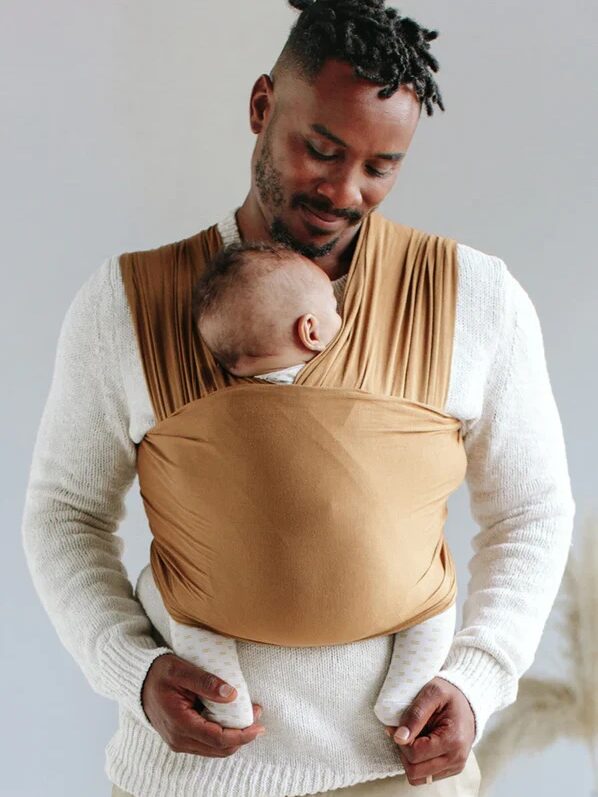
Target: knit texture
317,703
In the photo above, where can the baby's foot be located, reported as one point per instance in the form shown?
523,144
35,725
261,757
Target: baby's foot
217,655
206,649
418,655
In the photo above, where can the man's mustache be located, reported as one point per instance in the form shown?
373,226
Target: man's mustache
325,207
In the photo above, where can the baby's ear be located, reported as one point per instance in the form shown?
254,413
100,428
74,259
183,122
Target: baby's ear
308,331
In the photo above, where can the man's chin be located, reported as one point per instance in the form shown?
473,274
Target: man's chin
315,244
320,227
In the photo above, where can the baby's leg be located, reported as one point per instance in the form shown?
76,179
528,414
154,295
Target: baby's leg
418,655
212,652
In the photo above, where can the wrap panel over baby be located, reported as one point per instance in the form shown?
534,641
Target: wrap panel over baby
310,513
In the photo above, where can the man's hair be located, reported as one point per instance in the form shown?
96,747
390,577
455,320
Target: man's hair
222,278
377,42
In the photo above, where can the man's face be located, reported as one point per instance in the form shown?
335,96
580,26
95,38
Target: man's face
327,154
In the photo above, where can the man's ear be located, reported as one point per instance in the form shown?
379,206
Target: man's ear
260,103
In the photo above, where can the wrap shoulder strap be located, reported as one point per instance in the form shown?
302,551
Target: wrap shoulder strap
158,285
398,317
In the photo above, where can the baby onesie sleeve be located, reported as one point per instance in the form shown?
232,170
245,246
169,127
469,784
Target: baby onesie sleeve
520,497
83,464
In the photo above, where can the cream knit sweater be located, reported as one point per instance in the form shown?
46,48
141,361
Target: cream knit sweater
317,703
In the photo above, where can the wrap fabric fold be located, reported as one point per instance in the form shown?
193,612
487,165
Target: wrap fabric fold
312,513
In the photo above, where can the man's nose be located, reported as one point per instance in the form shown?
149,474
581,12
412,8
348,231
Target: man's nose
341,190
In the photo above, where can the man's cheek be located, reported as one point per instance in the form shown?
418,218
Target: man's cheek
300,172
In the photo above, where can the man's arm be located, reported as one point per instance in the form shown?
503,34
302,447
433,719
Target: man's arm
83,465
520,495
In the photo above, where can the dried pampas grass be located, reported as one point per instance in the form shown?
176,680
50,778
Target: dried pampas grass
546,709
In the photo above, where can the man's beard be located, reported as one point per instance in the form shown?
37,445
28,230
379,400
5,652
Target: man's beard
281,233
268,180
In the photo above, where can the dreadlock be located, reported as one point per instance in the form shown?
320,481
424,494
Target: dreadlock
377,42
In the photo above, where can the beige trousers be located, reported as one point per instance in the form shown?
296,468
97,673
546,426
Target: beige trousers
465,784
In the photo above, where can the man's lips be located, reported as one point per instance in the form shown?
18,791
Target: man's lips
324,220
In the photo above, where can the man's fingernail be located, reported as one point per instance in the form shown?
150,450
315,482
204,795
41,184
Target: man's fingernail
226,690
402,734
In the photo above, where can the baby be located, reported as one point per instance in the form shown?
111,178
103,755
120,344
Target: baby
264,310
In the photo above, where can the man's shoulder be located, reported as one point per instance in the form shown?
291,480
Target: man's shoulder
482,292
480,268
82,327
99,309
168,253
484,284
479,271
95,289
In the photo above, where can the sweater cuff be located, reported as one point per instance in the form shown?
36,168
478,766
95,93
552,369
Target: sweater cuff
124,667
487,686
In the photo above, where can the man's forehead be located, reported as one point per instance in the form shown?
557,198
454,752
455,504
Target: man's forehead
335,79
340,101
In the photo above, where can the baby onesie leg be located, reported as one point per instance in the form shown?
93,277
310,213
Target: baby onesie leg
218,655
418,655
204,648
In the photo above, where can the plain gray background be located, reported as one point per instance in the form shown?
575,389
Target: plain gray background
125,127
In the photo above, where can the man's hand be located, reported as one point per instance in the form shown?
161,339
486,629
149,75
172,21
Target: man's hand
169,697
443,716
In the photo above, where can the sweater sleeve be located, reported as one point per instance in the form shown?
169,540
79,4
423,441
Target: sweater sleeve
82,467
520,496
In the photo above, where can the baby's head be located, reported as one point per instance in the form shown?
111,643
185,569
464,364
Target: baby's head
260,307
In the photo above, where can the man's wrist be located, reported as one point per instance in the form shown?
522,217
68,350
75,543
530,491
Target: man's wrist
486,685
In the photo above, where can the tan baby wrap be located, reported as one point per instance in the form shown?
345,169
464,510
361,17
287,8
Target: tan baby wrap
310,513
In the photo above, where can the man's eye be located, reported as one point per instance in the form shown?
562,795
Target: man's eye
317,154
376,173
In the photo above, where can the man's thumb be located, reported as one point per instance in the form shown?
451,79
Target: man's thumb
414,718
206,684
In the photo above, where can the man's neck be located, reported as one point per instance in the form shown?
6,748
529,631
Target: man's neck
252,227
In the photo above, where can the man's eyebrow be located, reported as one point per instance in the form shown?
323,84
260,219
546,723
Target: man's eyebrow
323,131
391,156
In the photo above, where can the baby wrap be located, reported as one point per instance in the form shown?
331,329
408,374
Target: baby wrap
339,535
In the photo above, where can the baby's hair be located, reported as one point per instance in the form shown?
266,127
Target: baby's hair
224,270
222,276
377,42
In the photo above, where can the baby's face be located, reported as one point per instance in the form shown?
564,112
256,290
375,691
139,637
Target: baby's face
328,316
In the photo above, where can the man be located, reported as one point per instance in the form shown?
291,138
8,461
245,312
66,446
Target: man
333,121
